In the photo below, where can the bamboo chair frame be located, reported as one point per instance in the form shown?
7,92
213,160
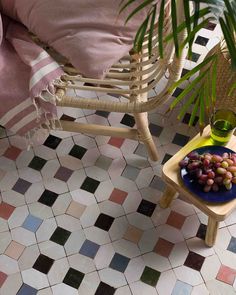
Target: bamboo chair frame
131,78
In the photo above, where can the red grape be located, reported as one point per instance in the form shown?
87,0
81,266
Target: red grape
206,162
215,187
183,163
207,188
210,181
193,156
211,174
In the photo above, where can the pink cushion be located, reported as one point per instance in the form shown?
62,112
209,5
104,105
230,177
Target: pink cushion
90,33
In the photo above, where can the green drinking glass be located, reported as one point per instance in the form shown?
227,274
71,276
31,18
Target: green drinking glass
223,123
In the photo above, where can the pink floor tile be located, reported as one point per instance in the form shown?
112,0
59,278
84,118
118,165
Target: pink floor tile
14,250
12,153
6,210
3,278
176,220
226,274
163,247
116,141
118,196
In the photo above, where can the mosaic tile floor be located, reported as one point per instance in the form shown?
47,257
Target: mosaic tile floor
80,214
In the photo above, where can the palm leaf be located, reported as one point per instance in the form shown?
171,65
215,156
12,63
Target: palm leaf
213,82
150,33
139,8
207,92
192,72
160,27
186,105
193,33
194,112
174,26
202,110
195,24
187,90
231,13
125,5
230,41
203,12
232,89
140,35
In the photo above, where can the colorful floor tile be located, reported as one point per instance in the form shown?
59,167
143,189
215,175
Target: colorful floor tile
80,214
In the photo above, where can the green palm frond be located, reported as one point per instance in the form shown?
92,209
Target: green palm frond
201,92
223,11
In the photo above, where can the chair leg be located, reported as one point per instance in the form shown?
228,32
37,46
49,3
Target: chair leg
145,136
211,233
167,197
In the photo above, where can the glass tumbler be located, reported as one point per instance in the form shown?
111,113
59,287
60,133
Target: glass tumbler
223,123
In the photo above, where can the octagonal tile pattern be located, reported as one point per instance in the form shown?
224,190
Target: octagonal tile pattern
92,224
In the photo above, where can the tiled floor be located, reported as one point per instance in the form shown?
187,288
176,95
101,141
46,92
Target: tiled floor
80,214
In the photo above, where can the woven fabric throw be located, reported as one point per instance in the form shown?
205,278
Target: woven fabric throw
27,73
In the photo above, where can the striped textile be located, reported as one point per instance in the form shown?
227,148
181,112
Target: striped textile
27,73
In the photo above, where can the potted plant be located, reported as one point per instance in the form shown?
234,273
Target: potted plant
204,91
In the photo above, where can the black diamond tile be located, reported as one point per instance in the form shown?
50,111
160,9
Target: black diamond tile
184,72
78,151
67,118
48,198
90,185
73,278
201,233
146,208
166,158
43,263
195,57
102,114
194,261
60,236
232,245
128,120
177,92
37,163
104,289
186,119
104,221
201,40
210,26
180,139
52,142
155,129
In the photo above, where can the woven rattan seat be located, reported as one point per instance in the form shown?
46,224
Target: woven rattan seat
131,78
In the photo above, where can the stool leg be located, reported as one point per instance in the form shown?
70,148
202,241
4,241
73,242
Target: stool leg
167,197
212,228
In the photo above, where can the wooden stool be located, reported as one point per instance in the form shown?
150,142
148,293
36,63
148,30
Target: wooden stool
171,175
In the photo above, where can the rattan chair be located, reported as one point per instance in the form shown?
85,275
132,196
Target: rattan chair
132,78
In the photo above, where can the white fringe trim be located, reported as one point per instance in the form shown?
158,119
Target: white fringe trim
50,123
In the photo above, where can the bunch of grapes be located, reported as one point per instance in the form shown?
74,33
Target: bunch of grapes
210,170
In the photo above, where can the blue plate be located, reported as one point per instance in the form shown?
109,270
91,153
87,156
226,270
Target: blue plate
222,195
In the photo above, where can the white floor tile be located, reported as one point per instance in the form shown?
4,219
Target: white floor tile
112,277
